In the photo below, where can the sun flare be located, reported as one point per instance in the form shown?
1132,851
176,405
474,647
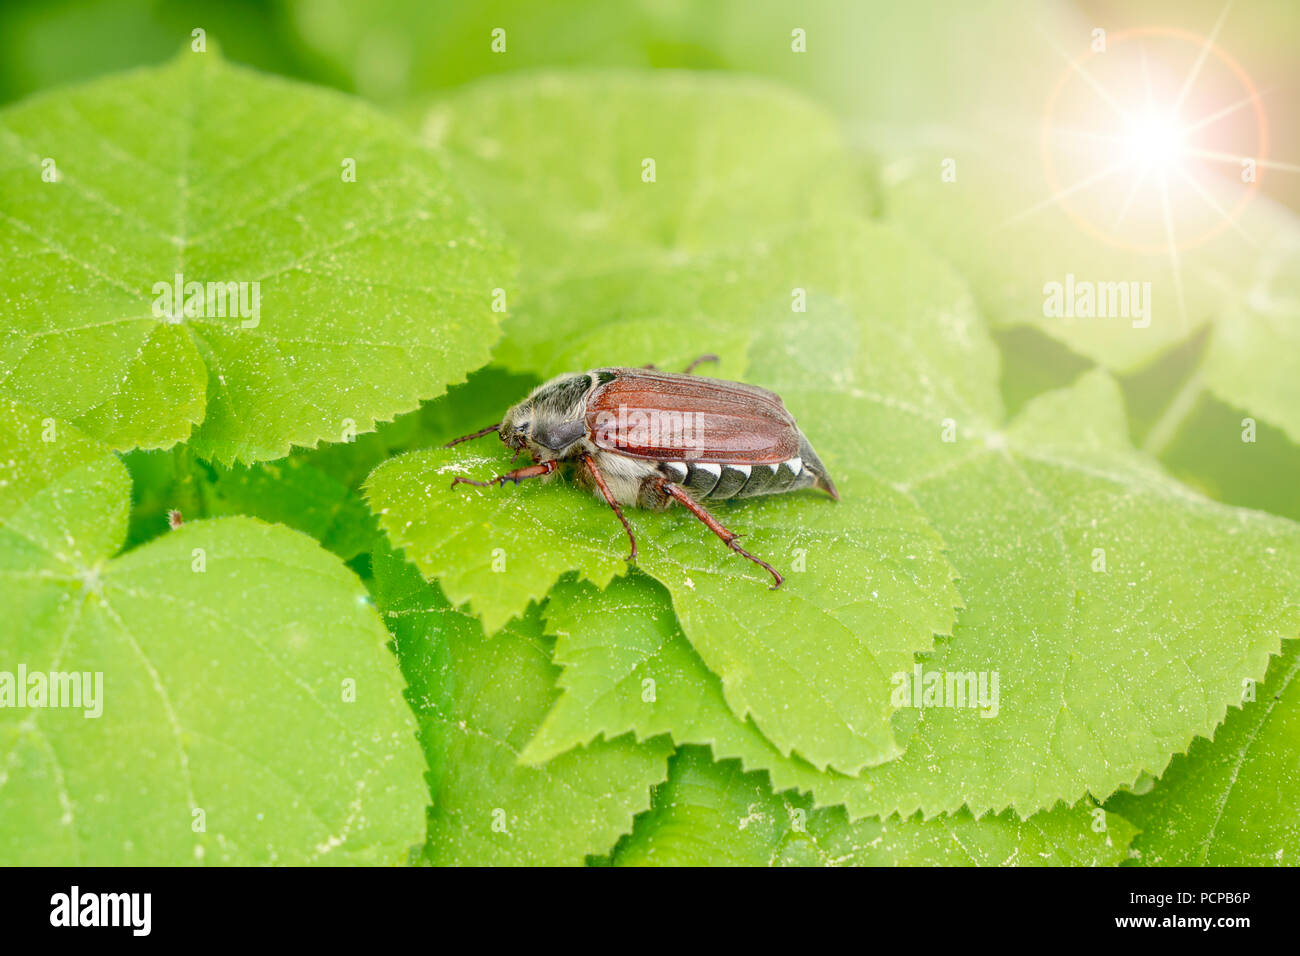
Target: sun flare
1155,142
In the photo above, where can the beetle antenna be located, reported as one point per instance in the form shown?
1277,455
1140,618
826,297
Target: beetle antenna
478,434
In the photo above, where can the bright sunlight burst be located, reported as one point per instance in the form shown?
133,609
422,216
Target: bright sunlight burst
1154,141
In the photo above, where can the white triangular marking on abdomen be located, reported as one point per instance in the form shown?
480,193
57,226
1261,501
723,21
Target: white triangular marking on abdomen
743,469
711,468
678,469
795,465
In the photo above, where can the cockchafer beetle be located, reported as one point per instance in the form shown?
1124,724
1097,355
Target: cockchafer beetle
644,438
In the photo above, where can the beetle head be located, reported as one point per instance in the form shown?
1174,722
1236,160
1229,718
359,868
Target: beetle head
551,420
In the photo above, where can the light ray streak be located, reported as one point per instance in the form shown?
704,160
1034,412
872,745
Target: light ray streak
1214,204
1128,200
1174,262
1146,76
1089,79
1067,131
1195,71
1234,158
1068,191
1200,124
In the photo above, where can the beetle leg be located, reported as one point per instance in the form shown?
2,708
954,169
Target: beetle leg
728,537
707,357
518,475
609,497
478,434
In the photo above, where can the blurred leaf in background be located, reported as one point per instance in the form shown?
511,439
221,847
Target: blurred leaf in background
390,49
916,64
46,43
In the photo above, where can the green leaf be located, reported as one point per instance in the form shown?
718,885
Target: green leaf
477,702
204,640
1233,801
627,666
615,268
714,814
361,298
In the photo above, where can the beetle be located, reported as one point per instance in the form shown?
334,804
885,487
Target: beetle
640,437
